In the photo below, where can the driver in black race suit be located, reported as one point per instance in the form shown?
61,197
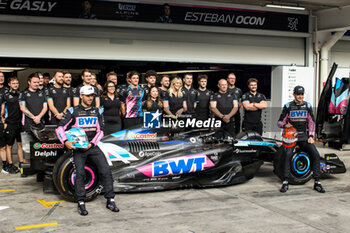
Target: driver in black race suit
90,120
298,113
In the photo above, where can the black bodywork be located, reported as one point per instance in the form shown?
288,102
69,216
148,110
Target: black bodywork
161,159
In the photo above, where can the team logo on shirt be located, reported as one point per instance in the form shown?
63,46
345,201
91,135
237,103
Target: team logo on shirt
86,121
151,120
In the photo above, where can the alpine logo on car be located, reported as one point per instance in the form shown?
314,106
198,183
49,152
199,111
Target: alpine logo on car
116,153
48,146
177,165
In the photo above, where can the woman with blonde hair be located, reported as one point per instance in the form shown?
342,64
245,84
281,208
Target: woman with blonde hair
175,102
153,102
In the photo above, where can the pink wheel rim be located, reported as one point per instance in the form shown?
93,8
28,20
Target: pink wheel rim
92,177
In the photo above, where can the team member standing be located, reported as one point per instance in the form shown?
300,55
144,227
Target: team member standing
164,86
153,102
33,103
86,77
5,167
253,103
190,95
132,99
112,76
151,78
94,82
111,108
94,132
46,79
203,98
67,83
298,114
174,103
231,79
3,88
224,105
58,99
13,125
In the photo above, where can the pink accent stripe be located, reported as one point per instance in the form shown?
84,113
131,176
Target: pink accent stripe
99,135
146,170
311,125
60,131
282,123
23,118
331,108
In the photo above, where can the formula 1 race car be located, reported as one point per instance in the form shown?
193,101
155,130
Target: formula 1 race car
160,159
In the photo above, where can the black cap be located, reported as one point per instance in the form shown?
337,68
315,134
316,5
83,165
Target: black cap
299,90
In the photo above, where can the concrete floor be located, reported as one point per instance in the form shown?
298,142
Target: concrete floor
255,206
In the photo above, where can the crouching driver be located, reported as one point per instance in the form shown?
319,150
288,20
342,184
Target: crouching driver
89,119
298,114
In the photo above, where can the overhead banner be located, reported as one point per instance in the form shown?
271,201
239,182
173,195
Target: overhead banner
158,13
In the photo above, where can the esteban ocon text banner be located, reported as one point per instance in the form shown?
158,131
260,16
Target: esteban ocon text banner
158,13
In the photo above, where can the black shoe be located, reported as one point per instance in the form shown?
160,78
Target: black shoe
12,169
81,208
284,187
318,187
111,205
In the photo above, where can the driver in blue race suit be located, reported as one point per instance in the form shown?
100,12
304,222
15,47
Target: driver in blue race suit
90,120
298,114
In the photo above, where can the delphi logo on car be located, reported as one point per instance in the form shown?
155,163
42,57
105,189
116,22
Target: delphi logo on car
45,153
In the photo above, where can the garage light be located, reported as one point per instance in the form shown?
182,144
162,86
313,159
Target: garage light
285,7
11,69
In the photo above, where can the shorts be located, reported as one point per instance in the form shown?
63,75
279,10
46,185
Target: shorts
2,139
12,133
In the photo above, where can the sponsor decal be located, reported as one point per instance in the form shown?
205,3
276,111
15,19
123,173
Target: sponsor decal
146,136
244,151
177,165
116,153
149,154
45,153
86,121
39,145
298,114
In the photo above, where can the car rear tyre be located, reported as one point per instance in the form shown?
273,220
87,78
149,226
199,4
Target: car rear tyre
300,166
64,178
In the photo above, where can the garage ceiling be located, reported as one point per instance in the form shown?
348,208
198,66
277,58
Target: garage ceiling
313,5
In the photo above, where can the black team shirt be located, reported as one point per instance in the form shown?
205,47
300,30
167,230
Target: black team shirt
191,98
224,101
59,97
203,103
110,107
14,114
34,102
252,116
175,103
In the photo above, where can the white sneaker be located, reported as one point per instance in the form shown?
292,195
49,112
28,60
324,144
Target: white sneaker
4,171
